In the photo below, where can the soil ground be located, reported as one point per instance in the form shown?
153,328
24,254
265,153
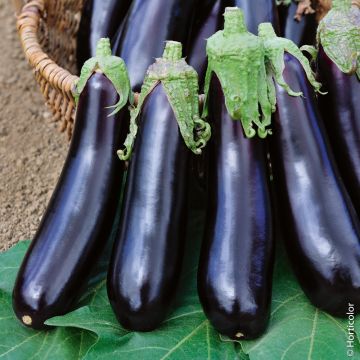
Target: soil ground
32,151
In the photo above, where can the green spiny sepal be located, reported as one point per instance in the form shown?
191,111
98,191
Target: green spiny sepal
180,82
312,51
339,35
113,68
147,87
236,57
275,48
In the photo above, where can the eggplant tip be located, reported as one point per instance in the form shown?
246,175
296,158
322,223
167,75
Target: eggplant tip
239,335
27,320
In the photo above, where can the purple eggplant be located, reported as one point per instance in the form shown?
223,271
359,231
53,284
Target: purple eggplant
99,18
235,269
78,220
340,107
322,231
147,255
148,25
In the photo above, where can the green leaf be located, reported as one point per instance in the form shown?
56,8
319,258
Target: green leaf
296,331
9,264
20,343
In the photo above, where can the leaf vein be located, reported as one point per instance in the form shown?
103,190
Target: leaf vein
18,345
183,315
312,336
292,344
183,340
208,340
283,303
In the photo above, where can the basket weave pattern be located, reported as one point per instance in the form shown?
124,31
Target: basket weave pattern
47,30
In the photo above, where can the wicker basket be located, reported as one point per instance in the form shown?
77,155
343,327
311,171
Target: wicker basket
47,30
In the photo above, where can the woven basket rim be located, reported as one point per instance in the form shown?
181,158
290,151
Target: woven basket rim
27,25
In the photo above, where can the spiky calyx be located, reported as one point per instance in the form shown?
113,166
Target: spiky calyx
339,35
113,68
180,82
275,47
236,57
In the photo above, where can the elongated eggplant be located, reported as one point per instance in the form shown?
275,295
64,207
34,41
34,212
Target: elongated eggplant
257,12
322,232
340,107
99,18
149,24
78,220
147,254
301,31
235,270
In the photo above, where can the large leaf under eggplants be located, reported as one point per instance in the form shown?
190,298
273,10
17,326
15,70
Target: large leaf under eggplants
297,330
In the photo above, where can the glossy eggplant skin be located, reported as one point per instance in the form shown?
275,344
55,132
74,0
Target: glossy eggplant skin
341,109
322,231
257,12
300,32
208,20
78,220
147,254
99,18
237,255
148,25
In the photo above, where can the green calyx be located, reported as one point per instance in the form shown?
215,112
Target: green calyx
113,68
234,22
247,66
180,82
275,48
339,35
236,57
172,51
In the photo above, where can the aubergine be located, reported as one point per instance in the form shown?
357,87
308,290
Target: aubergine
78,220
322,232
79,217
148,250
148,25
237,254
99,18
300,31
146,259
341,109
236,262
